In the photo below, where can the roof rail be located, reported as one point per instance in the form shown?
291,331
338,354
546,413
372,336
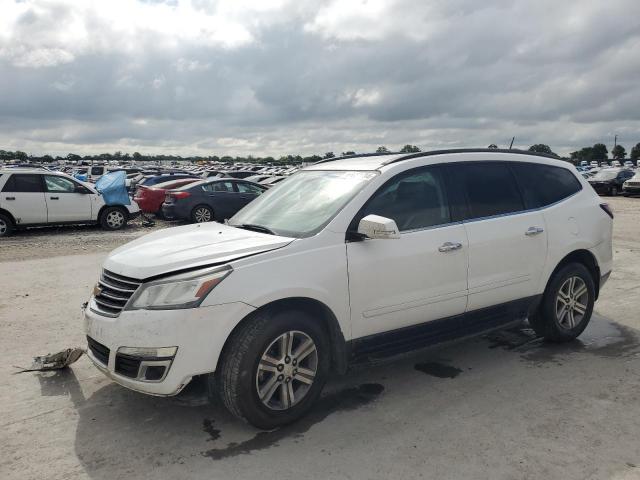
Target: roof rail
409,156
357,155
471,150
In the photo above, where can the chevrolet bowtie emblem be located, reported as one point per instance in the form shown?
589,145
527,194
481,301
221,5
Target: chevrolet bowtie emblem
97,290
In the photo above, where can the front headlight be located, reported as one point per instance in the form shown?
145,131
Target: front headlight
186,290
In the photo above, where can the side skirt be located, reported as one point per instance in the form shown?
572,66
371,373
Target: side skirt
384,345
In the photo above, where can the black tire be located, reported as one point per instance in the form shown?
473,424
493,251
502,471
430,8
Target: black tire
546,322
113,218
6,226
201,213
236,380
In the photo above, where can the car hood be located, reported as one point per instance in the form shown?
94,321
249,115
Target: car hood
187,247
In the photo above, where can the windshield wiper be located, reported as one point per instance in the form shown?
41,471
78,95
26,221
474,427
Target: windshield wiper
255,228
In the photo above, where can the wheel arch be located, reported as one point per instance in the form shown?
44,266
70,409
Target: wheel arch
8,214
586,258
317,309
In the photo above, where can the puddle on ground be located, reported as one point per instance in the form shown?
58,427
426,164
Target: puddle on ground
437,369
207,426
602,337
348,399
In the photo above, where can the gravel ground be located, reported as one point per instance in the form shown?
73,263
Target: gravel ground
503,406
48,242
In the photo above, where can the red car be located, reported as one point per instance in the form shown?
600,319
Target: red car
150,199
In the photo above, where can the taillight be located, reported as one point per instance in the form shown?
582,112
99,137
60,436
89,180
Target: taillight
179,195
607,209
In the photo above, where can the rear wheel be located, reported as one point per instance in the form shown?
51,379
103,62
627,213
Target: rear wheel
113,218
201,214
274,368
6,226
567,304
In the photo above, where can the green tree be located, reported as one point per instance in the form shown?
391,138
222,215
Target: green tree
493,146
136,156
600,151
329,155
541,148
347,153
618,152
409,149
635,153
382,149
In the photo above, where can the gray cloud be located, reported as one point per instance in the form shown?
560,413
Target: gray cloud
306,77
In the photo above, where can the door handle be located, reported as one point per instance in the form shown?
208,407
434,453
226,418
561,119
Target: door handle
10,198
531,231
54,198
449,247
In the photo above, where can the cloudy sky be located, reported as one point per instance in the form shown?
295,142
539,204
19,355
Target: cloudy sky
293,76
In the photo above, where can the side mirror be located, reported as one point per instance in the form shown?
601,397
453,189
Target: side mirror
375,226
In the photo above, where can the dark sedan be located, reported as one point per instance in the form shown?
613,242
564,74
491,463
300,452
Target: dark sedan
210,200
608,181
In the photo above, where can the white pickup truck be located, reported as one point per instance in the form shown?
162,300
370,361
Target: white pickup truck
30,198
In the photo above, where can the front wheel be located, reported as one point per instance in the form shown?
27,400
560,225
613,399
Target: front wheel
113,218
567,304
274,368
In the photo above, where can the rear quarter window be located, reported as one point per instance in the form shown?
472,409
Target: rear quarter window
543,185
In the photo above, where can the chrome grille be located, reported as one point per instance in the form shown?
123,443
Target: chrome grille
115,292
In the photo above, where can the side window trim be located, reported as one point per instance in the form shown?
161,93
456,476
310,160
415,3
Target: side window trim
353,225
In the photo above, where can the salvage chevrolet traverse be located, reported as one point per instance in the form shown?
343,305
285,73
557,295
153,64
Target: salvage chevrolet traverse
347,261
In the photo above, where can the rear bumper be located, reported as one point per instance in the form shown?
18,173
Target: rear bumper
169,211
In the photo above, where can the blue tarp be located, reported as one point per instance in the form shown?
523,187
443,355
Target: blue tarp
81,176
113,189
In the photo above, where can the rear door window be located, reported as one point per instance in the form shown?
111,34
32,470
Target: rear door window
490,188
24,183
218,187
543,185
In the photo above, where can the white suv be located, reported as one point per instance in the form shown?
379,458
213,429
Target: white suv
347,261
39,197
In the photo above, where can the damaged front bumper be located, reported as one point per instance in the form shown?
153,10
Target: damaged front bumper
158,351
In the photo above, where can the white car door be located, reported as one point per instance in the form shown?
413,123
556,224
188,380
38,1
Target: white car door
66,201
23,196
421,276
507,245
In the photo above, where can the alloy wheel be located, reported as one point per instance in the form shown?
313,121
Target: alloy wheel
202,215
115,219
3,227
287,370
571,303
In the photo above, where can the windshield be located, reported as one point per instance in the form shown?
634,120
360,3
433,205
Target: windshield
605,175
303,204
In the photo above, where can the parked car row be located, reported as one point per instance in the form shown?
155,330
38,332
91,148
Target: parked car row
30,197
611,181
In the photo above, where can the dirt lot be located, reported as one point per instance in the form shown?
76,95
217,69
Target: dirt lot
505,406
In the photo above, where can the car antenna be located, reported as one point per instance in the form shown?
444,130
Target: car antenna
511,145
